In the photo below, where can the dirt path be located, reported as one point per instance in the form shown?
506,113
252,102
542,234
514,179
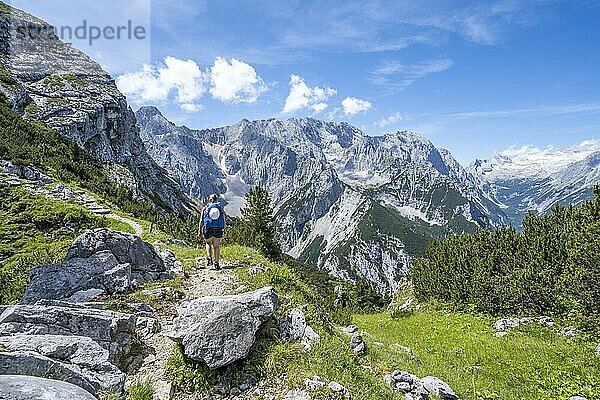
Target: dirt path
136,227
201,282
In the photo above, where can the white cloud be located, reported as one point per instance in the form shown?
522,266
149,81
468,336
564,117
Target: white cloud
352,105
302,96
399,75
392,119
235,82
181,79
184,82
191,107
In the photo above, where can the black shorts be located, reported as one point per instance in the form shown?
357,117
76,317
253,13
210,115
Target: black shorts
213,232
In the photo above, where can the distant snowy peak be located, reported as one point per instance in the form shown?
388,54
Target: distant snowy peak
531,179
530,162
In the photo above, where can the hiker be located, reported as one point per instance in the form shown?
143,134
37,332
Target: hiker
212,226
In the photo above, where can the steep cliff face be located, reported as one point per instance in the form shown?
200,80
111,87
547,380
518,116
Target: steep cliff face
357,206
50,81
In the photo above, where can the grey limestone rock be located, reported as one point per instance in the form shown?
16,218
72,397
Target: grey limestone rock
74,359
294,328
20,387
111,330
357,344
437,387
73,95
100,261
221,330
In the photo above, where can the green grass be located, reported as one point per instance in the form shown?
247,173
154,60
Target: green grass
142,390
529,363
117,225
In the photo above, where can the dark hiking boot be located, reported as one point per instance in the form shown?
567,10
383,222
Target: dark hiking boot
217,266
209,262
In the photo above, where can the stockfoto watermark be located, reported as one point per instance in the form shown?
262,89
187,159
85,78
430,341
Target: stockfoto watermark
85,31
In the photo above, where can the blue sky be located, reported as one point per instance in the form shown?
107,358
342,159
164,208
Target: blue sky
473,77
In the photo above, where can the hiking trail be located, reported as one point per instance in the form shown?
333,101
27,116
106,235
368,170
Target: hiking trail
201,282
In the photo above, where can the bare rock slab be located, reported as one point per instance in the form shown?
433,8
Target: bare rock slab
74,359
111,330
219,330
20,387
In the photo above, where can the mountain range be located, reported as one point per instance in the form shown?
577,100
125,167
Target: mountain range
358,206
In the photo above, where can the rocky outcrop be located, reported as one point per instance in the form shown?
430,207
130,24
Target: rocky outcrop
24,172
439,388
53,82
113,331
74,359
294,328
100,261
19,387
419,389
221,330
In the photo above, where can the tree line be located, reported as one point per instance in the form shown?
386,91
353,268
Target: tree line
552,267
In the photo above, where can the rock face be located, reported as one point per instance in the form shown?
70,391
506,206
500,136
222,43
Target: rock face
113,331
357,206
19,387
74,359
53,82
221,330
100,261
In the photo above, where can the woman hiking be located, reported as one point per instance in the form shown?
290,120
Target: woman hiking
212,227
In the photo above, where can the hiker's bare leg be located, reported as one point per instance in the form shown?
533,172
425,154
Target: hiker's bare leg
208,248
217,249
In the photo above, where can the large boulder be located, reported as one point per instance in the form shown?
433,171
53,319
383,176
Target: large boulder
112,330
103,260
74,359
20,387
221,330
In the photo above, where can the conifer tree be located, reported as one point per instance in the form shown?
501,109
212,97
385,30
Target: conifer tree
259,224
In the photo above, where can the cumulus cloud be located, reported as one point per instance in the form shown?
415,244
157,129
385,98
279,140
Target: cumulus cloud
235,82
302,96
181,79
184,82
392,119
352,105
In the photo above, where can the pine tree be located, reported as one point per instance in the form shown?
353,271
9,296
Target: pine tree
258,221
